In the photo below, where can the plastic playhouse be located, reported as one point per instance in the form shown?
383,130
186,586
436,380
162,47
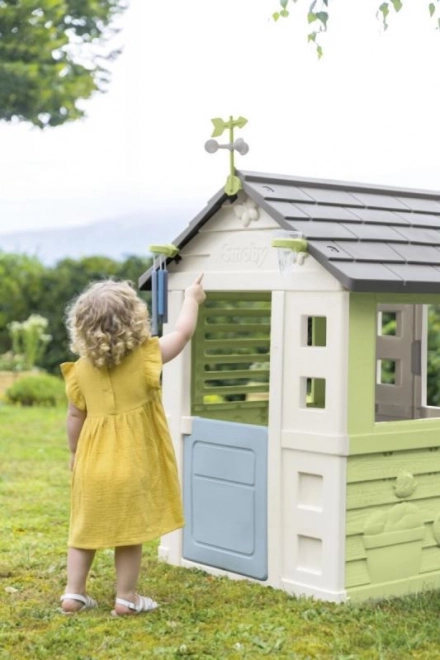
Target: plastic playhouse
308,455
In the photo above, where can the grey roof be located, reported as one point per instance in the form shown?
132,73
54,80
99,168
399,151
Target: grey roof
370,238
201,218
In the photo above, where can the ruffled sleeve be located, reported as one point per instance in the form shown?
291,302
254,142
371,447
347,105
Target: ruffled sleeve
72,388
152,362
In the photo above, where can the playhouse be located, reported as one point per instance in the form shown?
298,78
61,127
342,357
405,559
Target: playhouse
308,454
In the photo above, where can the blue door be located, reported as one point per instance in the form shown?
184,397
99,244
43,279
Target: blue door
225,496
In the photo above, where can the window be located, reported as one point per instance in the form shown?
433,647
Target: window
314,331
407,362
231,358
389,323
313,393
433,356
388,372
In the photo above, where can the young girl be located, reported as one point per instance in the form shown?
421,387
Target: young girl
125,488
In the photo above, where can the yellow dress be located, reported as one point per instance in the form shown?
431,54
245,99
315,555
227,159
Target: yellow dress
125,487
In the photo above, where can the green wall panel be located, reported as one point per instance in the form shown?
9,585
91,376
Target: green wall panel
400,492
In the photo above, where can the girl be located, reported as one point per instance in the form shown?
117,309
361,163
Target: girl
125,488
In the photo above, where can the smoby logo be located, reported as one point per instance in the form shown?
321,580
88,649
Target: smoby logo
251,254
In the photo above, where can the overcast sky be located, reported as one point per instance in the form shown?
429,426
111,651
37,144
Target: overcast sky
367,111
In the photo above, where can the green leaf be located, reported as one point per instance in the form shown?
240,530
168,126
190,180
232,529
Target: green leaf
431,9
311,37
319,52
311,17
397,4
275,16
323,17
384,9
284,13
283,3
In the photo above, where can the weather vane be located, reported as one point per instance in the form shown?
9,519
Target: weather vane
233,183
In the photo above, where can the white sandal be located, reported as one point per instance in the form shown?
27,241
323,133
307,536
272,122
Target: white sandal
87,602
144,604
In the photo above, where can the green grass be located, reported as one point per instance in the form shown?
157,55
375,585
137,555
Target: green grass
201,617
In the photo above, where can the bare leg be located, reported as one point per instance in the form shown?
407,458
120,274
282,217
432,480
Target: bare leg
128,565
78,565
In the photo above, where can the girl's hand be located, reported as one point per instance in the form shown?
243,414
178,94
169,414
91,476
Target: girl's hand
72,461
196,290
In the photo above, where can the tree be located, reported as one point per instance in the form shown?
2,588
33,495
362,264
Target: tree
65,281
318,15
433,363
27,287
52,56
20,291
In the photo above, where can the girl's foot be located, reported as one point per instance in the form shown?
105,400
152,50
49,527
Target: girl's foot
73,603
126,607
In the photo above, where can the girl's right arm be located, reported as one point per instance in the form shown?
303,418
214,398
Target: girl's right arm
173,343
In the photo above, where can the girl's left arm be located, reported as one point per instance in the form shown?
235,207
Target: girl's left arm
75,421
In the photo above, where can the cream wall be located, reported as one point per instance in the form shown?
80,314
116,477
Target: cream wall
307,447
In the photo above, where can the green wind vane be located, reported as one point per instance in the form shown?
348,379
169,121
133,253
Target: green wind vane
233,183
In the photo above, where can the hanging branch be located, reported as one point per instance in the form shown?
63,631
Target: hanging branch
318,15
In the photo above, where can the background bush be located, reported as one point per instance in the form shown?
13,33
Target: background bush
10,361
29,287
37,390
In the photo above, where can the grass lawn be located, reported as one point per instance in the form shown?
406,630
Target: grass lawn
201,616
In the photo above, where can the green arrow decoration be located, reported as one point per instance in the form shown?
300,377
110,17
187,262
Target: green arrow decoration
220,125
233,183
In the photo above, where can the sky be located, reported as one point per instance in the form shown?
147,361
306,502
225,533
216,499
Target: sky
367,111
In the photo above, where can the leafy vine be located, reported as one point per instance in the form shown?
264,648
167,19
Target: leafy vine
318,16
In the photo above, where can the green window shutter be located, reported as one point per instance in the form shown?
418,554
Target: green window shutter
230,358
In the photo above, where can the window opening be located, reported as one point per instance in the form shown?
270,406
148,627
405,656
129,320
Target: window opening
389,324
407,362
314,331
388,372
313,393
433,356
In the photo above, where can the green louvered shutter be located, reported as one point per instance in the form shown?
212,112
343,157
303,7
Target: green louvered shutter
230,358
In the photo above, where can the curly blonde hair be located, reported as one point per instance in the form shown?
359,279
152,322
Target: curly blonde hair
106,322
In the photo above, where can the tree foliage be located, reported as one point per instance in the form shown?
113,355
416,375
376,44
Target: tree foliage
28,287
318,15
53,55
20,291
433,366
